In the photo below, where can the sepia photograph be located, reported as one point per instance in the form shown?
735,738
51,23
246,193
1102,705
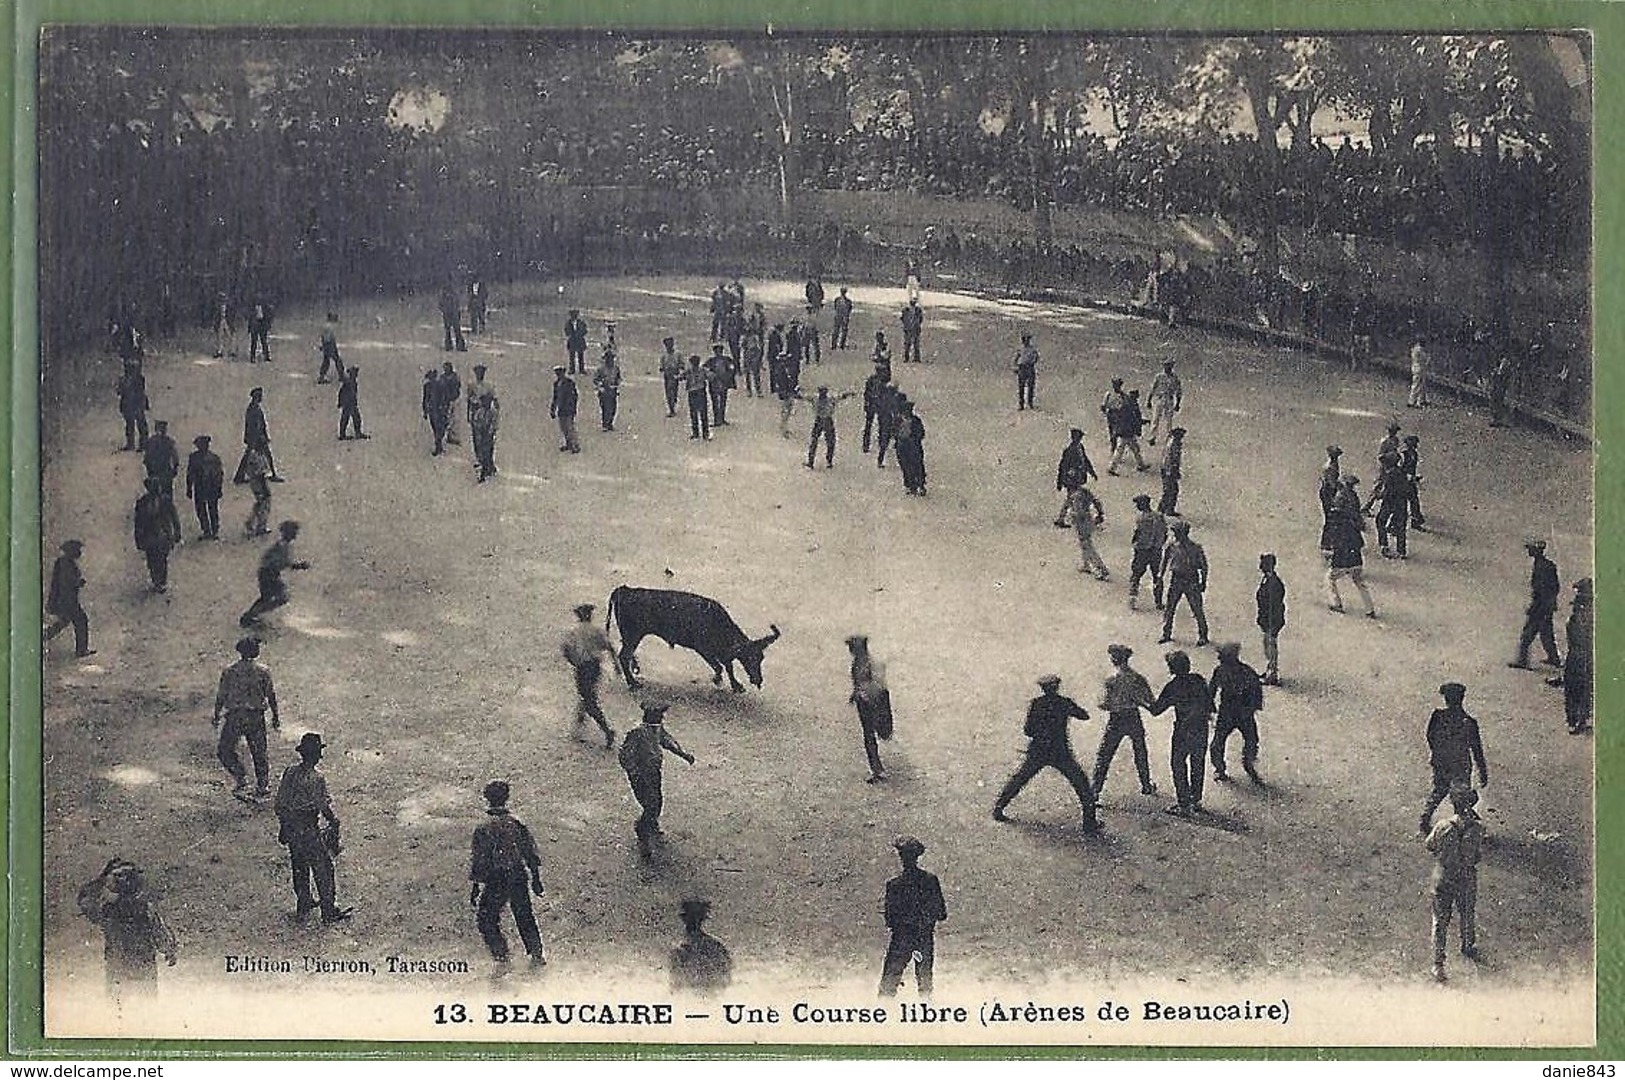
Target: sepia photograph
799,537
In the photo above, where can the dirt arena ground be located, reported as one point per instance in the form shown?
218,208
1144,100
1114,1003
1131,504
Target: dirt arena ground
423,644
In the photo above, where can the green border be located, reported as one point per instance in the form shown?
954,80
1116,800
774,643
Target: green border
19,414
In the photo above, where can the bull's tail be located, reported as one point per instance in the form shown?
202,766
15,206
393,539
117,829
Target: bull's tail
609,608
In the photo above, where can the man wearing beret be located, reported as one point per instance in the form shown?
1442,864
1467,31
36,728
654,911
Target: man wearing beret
914,906
642,750
301,805
1048,747
1544,590
246,691
504,870
1454,747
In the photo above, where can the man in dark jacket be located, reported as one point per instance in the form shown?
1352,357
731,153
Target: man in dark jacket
257,434
205,483
1544,590
1074,471
700,964
642,751
135,932
843,321
575,343
1239,694
350,404
157,531
62,601
1188,695
566,399
724,377
913,319
162,458
1271,599
1048,747
504,869
1454,747
451,314
910,442
259,329
873,387
1577,673
133,405
914,906
697,379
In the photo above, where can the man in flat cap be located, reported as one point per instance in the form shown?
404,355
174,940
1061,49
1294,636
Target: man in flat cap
873,701
700,964
62,601
1125,694
1147,544
161,458
1238,695
1454,747
1188,695
1184,564
1456,842
133,405
205,483
246,691
642,750
1073,472
1025,366
350,403
484,418
301,806
575,341
914,906
697,379
504,869
1343,554
1048,747
257,435
583,644
135,933
1544,590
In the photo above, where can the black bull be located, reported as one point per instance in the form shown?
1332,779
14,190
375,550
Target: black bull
694,622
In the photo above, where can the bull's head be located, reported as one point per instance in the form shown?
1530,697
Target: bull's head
750,655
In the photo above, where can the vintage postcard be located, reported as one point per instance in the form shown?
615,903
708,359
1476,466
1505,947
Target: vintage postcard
754,534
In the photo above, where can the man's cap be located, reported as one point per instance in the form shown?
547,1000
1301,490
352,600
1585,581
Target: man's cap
823,389
1178,660
1334,451
653,711
311,741
1232,649
1143,501
202,440
908,845
249,646
1049,682
1267,559
1119,653
1412,440
73,545
694,909
1077,433
1452,689
558,369
288,526
257,390
668,341
1178,433
1181,527
575,311
1349,479
161,425
858,639
1534,543
479,368
1134,392
1117,384
583,610
1168,363
496,792
717,347
1026,337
